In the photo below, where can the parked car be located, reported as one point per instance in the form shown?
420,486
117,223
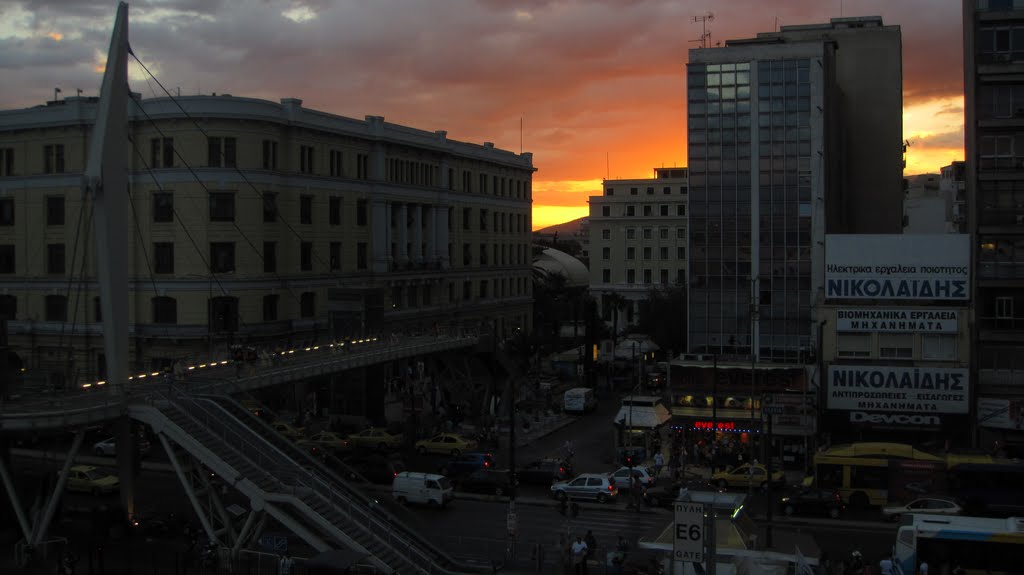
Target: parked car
467,463
422,488
928,505
288,430
492,481
644,475
375,438
446,443
325,443
746,474
108,447
375,468
544,472
666,494
596,486
812,501
89,479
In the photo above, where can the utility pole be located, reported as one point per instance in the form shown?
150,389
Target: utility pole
753,380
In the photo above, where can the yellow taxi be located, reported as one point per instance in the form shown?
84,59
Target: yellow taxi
445,443
324,441
375,438
89,479
746,475
288,430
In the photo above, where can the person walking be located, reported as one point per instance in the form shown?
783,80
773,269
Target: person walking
659,462
579,556
284,567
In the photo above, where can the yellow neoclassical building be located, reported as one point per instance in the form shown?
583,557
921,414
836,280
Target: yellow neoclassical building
260,223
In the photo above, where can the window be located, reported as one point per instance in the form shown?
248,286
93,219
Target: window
56,308
680,233
306,159
222,257
6,211
7,259
55,258
269,257
334,211
361,255
896,345
305,209
161,153
853,345
467,290
630,211
222,206
223,314
467,254
648,210
483,254
165,310
306,256
647,253
663,233
163,207
6,161
630,253
362,166
606,253
336,165
632,191
97,309
939,346
667,191
630,233
307,304
606,234
680,253
269,207
8,306
1004,307
631,276
269,155
53,159
483,220
664,277
647,276
609,191
663,253
220,152
335,249
55,210
163,257
648,233
360,212
483,289
270,307
606,211
680,210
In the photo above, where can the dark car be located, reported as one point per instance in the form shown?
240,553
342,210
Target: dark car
665,495
375,468
544,472
467,463
811,501
493,481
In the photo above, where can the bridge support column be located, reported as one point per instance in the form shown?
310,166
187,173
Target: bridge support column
218,506
207,527
51,506
127,462
12,494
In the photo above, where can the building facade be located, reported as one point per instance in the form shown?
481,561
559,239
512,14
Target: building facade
994,154
952,185
637,241
790,136
259,223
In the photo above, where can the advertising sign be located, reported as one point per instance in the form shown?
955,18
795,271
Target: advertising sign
873,319
797,416
897,267
875,388
688,543
1000,413
910,479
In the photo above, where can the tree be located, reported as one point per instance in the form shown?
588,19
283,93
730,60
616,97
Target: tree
616,303
663,317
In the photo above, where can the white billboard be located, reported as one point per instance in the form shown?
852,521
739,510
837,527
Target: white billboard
898,389
1000,413
875,319
897,267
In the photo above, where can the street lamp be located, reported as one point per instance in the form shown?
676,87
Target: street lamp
753,378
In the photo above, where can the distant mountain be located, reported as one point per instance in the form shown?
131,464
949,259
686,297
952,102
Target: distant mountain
565,229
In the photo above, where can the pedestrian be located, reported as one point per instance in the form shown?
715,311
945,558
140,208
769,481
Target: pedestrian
922,569
579,555
284,567
659,462
591,542
565,551
885,566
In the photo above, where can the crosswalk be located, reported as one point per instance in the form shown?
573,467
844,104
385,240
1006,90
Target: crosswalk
545,525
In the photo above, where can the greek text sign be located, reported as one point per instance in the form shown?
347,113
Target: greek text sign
898,389
870,319
897,267
688,543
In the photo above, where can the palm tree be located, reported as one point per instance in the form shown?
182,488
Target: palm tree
617,303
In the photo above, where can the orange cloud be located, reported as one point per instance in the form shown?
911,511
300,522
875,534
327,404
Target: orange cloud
55,36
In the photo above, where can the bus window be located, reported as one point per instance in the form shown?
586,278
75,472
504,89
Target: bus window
830,476
869,477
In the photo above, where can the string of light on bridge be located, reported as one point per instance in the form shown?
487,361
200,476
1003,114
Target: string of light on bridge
212,364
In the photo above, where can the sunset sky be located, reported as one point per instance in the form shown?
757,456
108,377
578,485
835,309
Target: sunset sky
598,86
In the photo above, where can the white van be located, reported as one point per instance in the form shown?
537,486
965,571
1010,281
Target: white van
423,488
579,400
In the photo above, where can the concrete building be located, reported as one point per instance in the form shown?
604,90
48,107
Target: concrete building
637,240
953,186
928,204
994,150
258,222
790,136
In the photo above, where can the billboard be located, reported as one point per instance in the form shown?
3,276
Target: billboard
897,267
877,388
919,320
1000,413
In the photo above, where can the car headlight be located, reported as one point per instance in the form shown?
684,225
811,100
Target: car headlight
785,499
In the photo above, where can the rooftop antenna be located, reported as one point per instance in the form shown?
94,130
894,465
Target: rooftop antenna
607,166
705,34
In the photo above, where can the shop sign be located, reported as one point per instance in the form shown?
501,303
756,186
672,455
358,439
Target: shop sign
868,319
715,426
897,266
1000,413
897,389
895,419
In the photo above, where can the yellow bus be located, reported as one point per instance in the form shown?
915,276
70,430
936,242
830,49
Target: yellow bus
861,472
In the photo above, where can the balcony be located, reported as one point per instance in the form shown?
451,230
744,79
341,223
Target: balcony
1006,270
1001,328
1009,381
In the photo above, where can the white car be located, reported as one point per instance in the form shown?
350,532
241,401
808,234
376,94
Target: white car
928,505
108,447
642,474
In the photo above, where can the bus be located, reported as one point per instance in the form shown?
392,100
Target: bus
988,488
863,472
978,545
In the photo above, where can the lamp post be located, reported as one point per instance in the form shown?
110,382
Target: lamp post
753,378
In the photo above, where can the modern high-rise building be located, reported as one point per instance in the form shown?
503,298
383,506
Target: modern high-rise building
994,148
637,241
258,223
791,136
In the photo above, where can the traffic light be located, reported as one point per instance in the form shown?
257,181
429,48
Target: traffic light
627,460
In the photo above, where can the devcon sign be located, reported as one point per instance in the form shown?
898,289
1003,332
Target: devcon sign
897,389
873,319
897,267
